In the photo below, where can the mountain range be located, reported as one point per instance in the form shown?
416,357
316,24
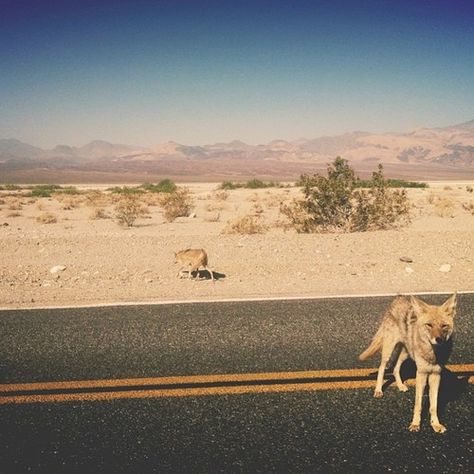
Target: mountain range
420,153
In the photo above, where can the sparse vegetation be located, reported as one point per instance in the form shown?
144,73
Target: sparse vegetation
98,213
126,190
177,204
128,209
164,186
251,184
469,189
334,204
444,207
10,187
246,225
44,190
392,183
469,207
46,218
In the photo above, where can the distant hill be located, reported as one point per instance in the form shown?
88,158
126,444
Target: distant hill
424,152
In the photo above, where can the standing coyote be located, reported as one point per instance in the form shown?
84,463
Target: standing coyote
192,259
417,330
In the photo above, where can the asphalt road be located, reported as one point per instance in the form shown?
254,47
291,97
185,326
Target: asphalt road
298,431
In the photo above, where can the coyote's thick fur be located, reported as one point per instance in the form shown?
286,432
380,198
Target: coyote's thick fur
417,330
192,259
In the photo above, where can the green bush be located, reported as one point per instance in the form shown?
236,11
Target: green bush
127,190
179,203
129,209
334,204
164,186
44,190
229,185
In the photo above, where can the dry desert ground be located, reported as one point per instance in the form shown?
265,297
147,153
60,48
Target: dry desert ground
103,262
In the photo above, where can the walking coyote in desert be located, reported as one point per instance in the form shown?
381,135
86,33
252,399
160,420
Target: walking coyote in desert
193,259
417,330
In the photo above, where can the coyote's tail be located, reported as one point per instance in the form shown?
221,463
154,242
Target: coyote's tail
374,346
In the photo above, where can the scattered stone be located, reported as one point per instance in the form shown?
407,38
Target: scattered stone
5,224
409,270
192,215
406,259
445,268
58,268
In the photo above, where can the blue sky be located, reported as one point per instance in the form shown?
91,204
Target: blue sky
199,72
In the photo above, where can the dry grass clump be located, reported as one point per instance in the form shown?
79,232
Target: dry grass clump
447,188
215,206
257,209
469,207
40,206
46,218
98,213
444,207
14,204
248,224
69,202
129,208
221,195
96,199
179,203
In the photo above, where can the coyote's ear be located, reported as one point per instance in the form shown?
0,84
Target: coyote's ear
450,304
418,305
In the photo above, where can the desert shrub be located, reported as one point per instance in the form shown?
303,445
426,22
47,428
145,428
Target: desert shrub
229,185
258,184
96,199
98,213
11,187
248,224
71,190
14,204
221,195
69,203
46,218
469,207
164,186
379,207
177,204
128,209
447,188
469,189
44,190
334,204
392,183
444,207
125,190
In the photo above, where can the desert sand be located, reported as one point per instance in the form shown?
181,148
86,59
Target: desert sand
105,263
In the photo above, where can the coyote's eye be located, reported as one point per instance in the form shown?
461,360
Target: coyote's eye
428,325
445,326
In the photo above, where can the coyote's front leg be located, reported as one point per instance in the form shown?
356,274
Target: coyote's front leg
434,380
421,379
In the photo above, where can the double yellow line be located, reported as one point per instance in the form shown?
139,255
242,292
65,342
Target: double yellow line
196,385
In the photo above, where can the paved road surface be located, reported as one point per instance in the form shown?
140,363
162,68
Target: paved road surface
330,430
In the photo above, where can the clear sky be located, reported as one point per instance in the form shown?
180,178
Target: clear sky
196,72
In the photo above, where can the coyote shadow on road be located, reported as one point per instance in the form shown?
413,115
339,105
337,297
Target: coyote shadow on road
452,386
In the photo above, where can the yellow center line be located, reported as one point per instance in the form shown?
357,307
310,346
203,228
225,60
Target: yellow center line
280,385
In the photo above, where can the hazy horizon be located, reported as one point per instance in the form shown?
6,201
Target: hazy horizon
143,73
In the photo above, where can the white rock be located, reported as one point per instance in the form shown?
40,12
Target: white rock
445,268
58,268
409,270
